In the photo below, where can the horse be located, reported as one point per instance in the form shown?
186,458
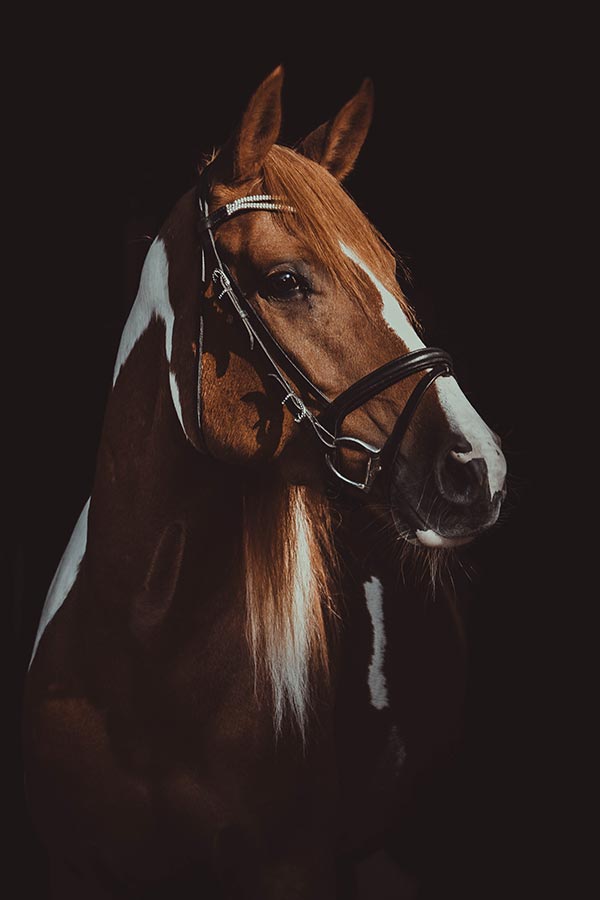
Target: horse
235,685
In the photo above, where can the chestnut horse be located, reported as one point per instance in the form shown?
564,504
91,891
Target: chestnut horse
235,685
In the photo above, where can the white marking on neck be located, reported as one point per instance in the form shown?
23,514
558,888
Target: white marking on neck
397,748
65,576
377,684
152,301
393,314
176,398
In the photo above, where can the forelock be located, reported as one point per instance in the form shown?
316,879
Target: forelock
325,219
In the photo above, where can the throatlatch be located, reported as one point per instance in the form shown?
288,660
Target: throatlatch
327,423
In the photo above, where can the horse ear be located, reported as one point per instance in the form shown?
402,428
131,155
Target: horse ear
242,156
336,144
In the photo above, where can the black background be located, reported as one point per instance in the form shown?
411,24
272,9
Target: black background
461,171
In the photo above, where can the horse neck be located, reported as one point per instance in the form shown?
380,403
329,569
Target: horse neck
150,474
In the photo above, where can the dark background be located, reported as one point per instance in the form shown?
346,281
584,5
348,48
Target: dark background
462,173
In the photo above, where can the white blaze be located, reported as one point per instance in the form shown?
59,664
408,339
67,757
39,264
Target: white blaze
376,678
393,314
65,576
461,416
464,419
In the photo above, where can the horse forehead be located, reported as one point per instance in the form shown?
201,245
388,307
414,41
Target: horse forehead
258,236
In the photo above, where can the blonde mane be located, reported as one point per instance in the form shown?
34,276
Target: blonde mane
290,571
289,553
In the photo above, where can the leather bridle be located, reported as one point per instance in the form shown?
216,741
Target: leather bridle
298,396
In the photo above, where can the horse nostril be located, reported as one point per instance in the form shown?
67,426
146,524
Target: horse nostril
461,481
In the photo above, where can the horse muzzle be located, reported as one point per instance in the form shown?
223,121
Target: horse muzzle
444,503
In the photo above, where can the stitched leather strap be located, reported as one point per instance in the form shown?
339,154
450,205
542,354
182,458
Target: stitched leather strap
381,379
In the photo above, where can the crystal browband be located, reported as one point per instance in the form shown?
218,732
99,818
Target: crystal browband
244,204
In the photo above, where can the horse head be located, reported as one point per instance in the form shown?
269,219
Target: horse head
303,314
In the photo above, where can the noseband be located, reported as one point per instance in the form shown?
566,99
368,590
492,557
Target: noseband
326,424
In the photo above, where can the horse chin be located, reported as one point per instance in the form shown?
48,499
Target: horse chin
430,538
416,531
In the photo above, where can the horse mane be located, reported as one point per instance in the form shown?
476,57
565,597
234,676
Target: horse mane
290,576
290,567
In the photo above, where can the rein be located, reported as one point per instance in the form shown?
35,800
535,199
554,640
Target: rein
326,424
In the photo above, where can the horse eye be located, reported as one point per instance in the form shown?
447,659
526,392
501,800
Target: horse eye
283,285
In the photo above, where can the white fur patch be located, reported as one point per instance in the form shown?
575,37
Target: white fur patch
152,301
377,684
65,576
464,419
392,312
175,396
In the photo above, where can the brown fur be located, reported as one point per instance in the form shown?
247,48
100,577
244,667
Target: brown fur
162,756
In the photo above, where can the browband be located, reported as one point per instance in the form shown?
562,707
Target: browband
243,204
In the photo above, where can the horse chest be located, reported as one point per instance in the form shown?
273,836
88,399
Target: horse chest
145,764
399,701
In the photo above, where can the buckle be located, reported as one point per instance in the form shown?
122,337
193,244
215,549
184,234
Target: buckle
373,462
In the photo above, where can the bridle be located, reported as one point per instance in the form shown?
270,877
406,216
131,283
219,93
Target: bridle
326,424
